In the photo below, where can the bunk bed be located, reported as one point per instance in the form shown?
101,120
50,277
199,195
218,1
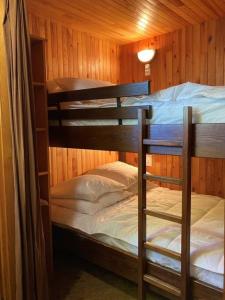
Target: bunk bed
199,139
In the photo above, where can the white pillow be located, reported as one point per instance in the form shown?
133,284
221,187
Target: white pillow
86,187
118,171
68,84
91,208
123,173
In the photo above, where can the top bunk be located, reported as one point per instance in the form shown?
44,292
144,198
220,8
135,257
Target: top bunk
81,119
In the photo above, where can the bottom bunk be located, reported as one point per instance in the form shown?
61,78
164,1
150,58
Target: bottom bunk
123,263
106,234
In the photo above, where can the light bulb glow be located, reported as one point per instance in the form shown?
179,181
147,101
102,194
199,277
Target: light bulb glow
146,55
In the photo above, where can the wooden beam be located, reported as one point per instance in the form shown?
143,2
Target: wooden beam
114,138
142,262
112,113
122,90
208,140
186,205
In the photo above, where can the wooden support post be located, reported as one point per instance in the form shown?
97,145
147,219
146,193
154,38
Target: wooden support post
141,203
122,155
186,205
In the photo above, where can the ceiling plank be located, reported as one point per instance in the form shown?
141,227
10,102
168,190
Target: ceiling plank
127,21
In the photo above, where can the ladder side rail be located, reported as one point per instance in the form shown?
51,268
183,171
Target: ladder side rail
141,203
186,205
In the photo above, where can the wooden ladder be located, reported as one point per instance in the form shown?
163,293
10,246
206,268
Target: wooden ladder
183,292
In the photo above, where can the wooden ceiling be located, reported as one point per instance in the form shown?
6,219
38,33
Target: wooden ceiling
129,20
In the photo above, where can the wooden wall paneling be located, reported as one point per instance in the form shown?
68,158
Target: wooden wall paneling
161,76
202,177
194,48
169,65
109,65
204,53
220,61
70,56
68,163
176,56
90,55
136,68
194,53
219,181
59,44
210,169
83,50
224,51
223,179
128,62
99,49
75,53
212,53
183,56
48,49
72,53
67,46
189,53
153,43
195,173
169,163
55,50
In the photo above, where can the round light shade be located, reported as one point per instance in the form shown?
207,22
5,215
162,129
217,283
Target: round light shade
146,55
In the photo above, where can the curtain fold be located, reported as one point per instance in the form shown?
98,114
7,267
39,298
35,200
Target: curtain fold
29,248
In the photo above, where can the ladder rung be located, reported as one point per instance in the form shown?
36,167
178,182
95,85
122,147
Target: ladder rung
163,251
172,180
162,285
163,215
164,143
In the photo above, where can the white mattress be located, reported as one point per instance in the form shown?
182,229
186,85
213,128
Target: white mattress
117,226
208,105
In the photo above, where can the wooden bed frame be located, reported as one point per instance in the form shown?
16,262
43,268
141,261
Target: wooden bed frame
208,141
123,263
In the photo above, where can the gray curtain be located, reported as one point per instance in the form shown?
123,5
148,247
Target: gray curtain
29,248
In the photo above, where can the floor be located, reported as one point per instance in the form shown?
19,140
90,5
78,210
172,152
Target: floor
76,279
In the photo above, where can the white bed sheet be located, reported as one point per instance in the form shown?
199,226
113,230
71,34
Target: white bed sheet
208,103
117,225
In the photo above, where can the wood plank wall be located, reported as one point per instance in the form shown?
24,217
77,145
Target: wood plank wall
195,53
68,163
71,53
